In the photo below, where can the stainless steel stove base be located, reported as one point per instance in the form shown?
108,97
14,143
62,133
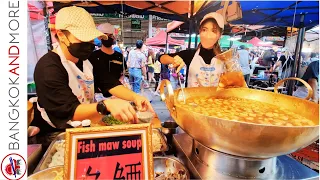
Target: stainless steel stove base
282,167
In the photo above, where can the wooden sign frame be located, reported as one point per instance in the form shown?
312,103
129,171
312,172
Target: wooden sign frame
77,134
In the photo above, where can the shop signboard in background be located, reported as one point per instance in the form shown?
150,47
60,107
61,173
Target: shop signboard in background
292,31
272,38
135,24
111,152
132,16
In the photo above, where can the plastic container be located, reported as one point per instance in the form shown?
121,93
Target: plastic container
145,117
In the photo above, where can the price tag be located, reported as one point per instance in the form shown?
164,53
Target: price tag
111,152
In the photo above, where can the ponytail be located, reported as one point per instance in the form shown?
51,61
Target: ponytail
217,49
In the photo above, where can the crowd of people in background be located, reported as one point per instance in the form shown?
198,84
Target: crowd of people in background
281,65
144,70
152,71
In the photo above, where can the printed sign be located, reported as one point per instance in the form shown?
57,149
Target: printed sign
132,16
135,24
111,152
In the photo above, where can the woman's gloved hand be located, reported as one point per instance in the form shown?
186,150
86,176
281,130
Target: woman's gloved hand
233,76
178,63
232,79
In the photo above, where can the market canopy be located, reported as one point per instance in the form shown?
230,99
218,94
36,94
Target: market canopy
269,13
279,13
276,13
160,39
271,17
172,10
36,12
258,43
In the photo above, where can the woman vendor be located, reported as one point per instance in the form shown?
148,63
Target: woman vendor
64,78
203,68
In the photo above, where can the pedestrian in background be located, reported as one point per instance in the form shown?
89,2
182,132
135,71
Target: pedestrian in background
137,66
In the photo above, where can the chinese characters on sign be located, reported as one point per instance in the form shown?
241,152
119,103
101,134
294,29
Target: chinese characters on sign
110,152
132,174
110,158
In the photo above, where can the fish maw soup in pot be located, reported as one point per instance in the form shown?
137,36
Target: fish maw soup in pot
245,110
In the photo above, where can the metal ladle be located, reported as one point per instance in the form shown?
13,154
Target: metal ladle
182,88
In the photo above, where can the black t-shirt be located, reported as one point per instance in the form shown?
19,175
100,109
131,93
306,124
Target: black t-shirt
107,70
289,63
312,72
187,56
53,91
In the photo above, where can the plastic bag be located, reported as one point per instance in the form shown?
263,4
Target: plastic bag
145,84
125,81
233,77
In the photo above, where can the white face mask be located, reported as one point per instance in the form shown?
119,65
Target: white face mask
209,35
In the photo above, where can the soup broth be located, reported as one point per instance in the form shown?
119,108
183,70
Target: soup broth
245,110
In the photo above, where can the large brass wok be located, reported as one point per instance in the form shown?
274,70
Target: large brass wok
241,138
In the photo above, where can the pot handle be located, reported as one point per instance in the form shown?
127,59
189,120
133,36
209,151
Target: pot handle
310,91
170,100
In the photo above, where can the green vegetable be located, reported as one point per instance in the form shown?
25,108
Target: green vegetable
110,120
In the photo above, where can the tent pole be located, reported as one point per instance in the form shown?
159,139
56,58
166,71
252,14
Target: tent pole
150,26
190,24
46,25
197,32
196,41
167,34
190,27
303,30
285,39
297,60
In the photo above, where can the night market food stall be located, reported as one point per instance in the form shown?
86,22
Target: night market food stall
229,133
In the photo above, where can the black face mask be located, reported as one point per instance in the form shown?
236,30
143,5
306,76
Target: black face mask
107,43
81,50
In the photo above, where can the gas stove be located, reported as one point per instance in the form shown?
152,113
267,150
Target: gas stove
206,163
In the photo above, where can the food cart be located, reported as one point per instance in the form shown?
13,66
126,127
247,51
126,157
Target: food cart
229,133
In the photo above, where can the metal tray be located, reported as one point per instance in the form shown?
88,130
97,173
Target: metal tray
168,164
163,141
49,173
46,159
